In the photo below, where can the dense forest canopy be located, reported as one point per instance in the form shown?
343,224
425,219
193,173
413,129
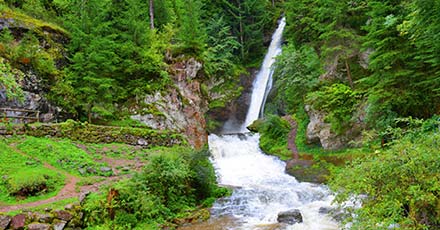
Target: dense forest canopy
120,50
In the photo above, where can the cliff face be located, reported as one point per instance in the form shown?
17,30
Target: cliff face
181,107
32,63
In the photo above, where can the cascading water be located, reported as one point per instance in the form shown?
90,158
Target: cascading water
263,77
261,188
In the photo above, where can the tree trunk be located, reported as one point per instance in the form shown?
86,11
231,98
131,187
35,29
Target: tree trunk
350,79
241,30
151,14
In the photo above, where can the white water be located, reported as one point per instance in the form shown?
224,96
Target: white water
263,76
261,188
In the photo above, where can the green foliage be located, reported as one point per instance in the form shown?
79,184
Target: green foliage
296,74
173,182
338,101
397,186
273,136
9,81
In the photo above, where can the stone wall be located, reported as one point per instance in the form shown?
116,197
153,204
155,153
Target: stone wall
69,218
97,134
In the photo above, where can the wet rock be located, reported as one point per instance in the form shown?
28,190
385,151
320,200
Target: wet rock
18,221
336,213
290,217
307,171
38,226
325,210
63,215
43,217
4,221
59,225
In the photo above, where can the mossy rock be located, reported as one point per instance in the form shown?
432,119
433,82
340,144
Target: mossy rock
307,171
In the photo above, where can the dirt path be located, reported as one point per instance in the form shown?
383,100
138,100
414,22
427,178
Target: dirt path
68,190
291,137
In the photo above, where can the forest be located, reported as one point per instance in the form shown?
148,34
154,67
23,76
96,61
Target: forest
370,69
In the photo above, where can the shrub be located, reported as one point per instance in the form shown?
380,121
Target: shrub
400,186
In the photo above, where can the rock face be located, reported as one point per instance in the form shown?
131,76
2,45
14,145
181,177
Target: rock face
290,217
180,109
318,131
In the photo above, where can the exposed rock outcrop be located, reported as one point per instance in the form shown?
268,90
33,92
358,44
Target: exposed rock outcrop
318,131
182,107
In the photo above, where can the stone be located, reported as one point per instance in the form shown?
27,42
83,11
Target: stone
318,131
59,225
105,169
43,217
18,221
63,215
69,207
38,226
142,142
307,171
82,171
290,217
83,196
4,221
324,210
91,170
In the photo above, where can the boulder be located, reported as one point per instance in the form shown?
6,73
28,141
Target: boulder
43,217
4,221
38,226
319,132
18,221
63,215
290,217
59,225
105,169
307,171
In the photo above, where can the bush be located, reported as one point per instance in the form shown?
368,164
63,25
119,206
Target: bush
171,184
274,137
400,186
338,101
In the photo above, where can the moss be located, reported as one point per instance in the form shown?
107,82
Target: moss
98,134
31,23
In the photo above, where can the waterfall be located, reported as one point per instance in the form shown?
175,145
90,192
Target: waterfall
264,76
261,189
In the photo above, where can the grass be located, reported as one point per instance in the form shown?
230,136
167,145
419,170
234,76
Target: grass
15,170
115,150
62,154
57,205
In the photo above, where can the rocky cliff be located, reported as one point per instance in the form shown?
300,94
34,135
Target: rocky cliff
181,107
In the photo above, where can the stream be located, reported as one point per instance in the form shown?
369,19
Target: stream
261,188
